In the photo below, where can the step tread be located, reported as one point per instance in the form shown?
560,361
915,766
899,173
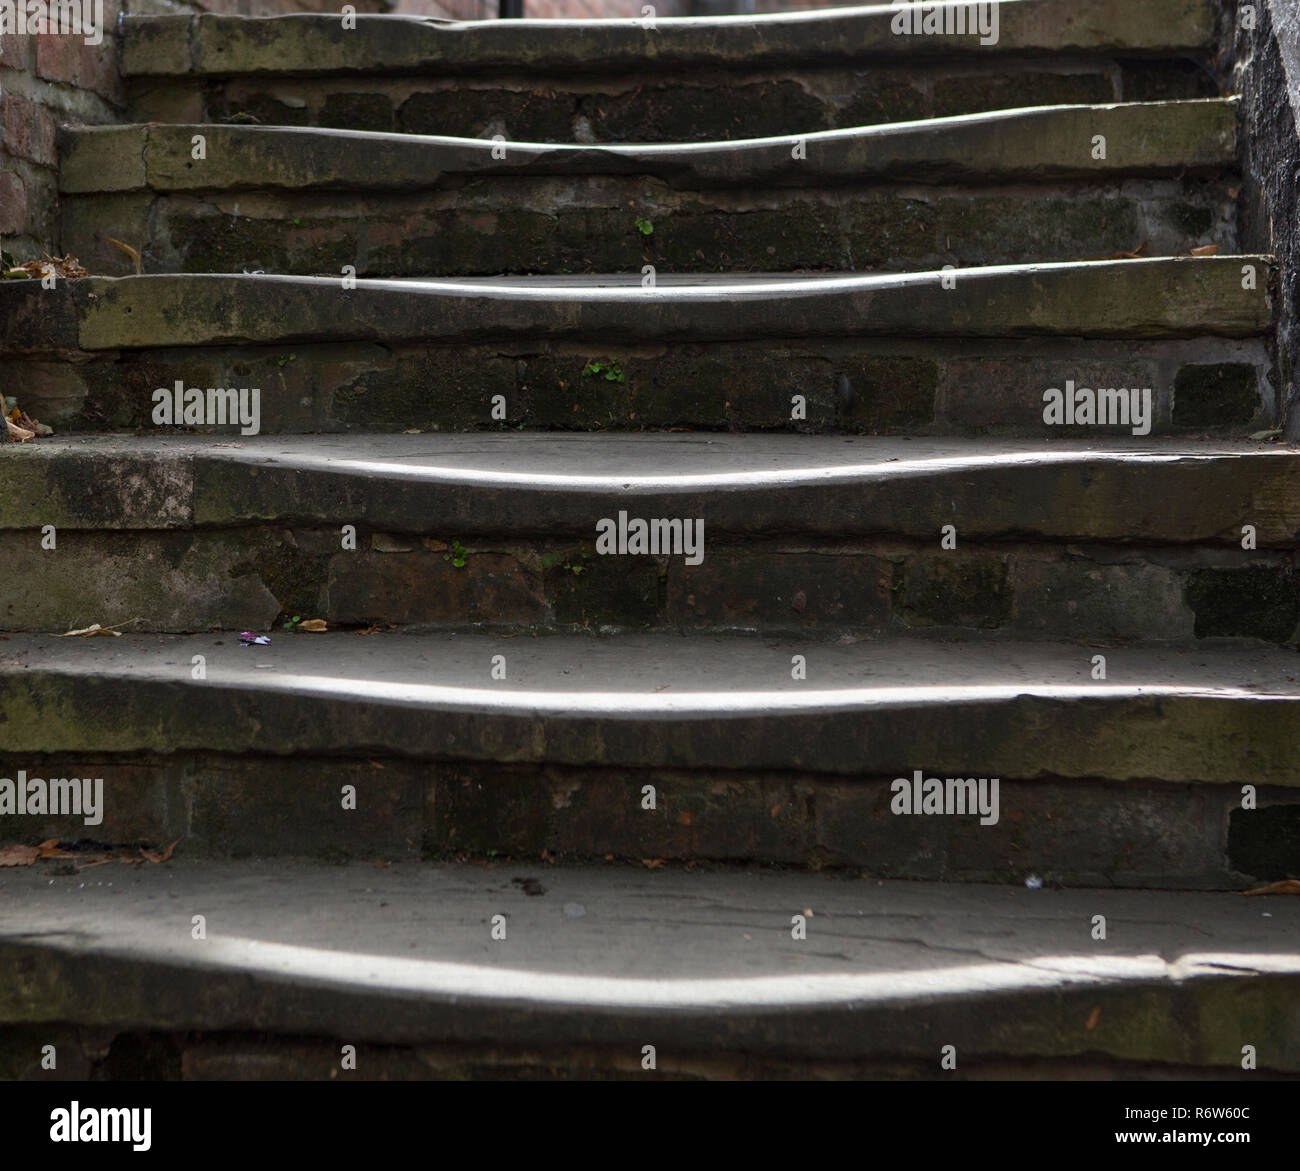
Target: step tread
1161,297
1224,710
704,958
312,43
539,483
1045,142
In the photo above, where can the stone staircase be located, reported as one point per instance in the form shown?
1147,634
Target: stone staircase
488,294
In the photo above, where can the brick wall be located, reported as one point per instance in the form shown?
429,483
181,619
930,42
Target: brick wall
45,80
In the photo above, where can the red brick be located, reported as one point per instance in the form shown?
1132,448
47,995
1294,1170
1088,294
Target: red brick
13,204
57,57
29,130
13,51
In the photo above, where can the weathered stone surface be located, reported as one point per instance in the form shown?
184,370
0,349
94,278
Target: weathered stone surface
1252,602
694,960
1085,831
555,487
1044,143
696,105
153,581
657,701
557,225
223,45
1139,299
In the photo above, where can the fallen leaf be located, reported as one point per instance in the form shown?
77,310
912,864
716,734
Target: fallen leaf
91,631
1271,433
1134,255
1093,1018
51,849
18,855
1288,886
382,865
315,625
131,252
808,913
1205,250
17,434
155,856
652,863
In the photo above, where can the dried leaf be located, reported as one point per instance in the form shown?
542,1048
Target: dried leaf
1205,250
18,855
91,632
17,434
315,625
155,856
51,849
1134,255
1288,886
1093,1018
652,863
131,252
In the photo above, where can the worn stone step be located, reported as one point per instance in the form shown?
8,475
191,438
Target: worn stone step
613,81
811,535
884,353
1192,714
1136,779
318,43
310,201
597,964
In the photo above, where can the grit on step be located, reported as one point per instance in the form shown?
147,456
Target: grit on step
818,536
703,966
310,201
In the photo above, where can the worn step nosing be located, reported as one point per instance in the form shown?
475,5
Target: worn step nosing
1180,297
674,959
1045,143
1155,720
1069,493
309,43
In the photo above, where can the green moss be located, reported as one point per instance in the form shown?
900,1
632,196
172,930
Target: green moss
296,579
221,243
702,113
988,91
540,116
1257,602
1193,219
1220,395
609,591
353,111
946,590
266,109
1265,843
